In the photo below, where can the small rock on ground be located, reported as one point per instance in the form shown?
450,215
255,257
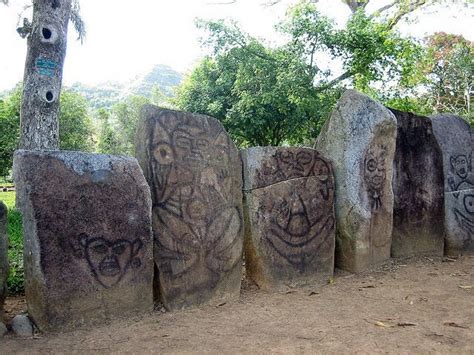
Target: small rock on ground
21,325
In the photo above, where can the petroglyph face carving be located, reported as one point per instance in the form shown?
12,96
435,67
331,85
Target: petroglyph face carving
110,260
375,174
294,164
199,223
291,215
300,220
461,165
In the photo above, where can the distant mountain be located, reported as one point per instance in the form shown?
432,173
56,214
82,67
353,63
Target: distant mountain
107,94
161,76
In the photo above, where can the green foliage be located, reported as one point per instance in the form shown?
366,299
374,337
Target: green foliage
125,115
16,278
75,125
273,96
108,138
262,96
370,51
10,128
451,75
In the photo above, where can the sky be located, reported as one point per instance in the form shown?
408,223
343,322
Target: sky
127,38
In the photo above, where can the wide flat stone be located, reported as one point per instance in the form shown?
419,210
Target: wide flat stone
195,175
418,188
3,255
359,138
87,230
289,213
456,139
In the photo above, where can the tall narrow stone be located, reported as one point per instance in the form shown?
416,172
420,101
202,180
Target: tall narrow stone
359,138
3,256
456,139
418,188
87,232
195,175
289,212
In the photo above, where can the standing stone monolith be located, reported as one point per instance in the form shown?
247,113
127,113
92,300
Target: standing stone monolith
3,255
418,189
195,175
88,250
359,138
289,213
456,139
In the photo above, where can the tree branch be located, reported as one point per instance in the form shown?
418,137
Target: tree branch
355,5
404,11
383,8
335,81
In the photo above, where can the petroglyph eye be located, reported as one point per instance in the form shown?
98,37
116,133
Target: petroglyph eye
371,165
321,170
99,248
303,158
286,157
202,144
119,249
183,142
163,153
469,203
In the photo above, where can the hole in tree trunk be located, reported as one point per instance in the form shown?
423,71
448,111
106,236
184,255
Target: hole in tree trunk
46,33
55,4
49,96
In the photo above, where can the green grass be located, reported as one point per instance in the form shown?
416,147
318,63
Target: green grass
16,277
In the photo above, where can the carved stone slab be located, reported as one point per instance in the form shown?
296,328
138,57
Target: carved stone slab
3,256
359,138
289,212
418,188
88,245
195,175
456,140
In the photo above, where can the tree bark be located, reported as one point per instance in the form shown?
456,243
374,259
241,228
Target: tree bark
43,75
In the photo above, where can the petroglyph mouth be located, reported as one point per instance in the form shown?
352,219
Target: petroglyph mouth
299,241
109,268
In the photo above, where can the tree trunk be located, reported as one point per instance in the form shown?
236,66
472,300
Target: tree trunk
43,75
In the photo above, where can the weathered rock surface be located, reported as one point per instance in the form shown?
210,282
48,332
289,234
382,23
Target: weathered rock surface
88,244
289,212
3,329
195,175
418,189
3,255
22,326
359,139
456,140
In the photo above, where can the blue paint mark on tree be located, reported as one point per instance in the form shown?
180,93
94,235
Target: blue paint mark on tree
45,66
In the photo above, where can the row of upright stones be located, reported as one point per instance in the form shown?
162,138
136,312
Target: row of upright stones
97,229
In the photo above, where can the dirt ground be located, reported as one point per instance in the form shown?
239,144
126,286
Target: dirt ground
406,306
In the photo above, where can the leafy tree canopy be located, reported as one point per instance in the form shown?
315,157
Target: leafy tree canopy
272,96
76,130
